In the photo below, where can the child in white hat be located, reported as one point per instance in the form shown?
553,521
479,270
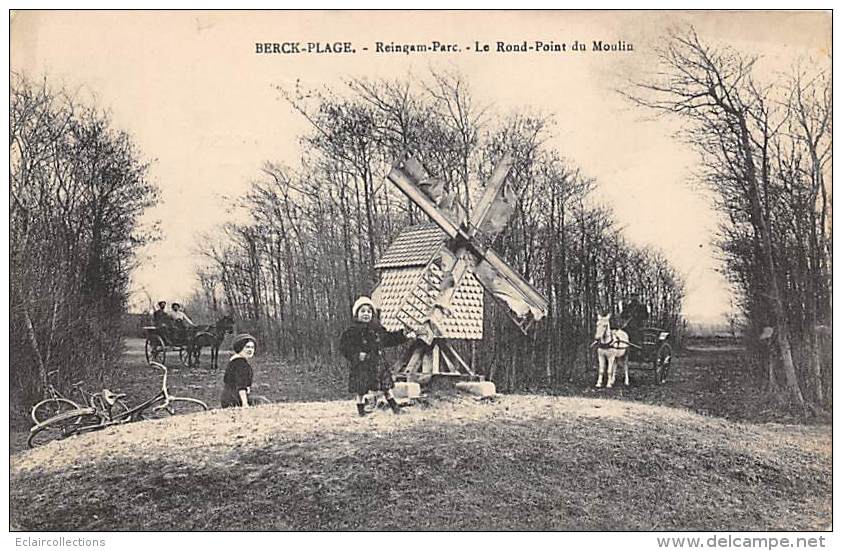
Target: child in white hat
361,344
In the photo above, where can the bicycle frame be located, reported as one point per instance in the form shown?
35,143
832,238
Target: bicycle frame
87,397
158,402
53,393
51,388
163,396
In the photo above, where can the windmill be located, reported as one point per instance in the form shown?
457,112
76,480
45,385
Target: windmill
432,275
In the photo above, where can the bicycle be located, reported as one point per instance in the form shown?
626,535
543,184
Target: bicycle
57,403
101,413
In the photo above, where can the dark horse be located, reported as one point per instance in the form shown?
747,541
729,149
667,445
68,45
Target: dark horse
212,336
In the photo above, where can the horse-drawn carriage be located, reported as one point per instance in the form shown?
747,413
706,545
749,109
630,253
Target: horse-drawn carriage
647,349
653,352
186,342
160,340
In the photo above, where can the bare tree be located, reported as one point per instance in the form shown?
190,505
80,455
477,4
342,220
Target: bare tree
78,188
750,137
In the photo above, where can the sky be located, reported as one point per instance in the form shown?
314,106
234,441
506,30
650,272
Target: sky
202,105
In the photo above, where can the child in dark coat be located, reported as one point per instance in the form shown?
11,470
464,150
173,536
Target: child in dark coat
238,376
361,344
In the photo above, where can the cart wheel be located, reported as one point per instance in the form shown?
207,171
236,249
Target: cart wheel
661,363
156,351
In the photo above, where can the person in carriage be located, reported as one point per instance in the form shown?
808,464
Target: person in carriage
182,322
163,321
633,318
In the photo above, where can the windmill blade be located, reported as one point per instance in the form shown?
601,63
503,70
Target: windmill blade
451,279
499,213
525,304
497,203
422,309
450,206
406,174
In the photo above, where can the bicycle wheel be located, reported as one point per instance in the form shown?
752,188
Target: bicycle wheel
176,406
63,425
51,407
119,408
155,350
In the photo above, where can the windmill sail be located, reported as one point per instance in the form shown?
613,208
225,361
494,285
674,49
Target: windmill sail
452,208
503,290
406,174
499,212
493,210
526,305
432,188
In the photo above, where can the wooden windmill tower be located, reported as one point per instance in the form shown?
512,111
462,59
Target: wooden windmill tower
432,276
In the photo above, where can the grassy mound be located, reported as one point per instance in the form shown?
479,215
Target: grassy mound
520,463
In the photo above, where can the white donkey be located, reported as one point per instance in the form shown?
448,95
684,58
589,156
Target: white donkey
610,348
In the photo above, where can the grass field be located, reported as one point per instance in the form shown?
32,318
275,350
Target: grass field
594,461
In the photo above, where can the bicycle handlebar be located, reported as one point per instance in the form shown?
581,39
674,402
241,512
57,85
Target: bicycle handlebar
163,368
160,366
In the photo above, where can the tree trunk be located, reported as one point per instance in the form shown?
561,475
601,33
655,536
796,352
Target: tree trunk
811,302
36,351
548,283
770,272
372,233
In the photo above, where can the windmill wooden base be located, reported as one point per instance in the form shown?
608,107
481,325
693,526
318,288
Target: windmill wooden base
436,359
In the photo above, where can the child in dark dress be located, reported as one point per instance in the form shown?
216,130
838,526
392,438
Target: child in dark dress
361,344
238,375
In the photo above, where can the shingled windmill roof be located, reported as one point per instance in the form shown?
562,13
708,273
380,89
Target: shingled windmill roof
402,267
412,247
